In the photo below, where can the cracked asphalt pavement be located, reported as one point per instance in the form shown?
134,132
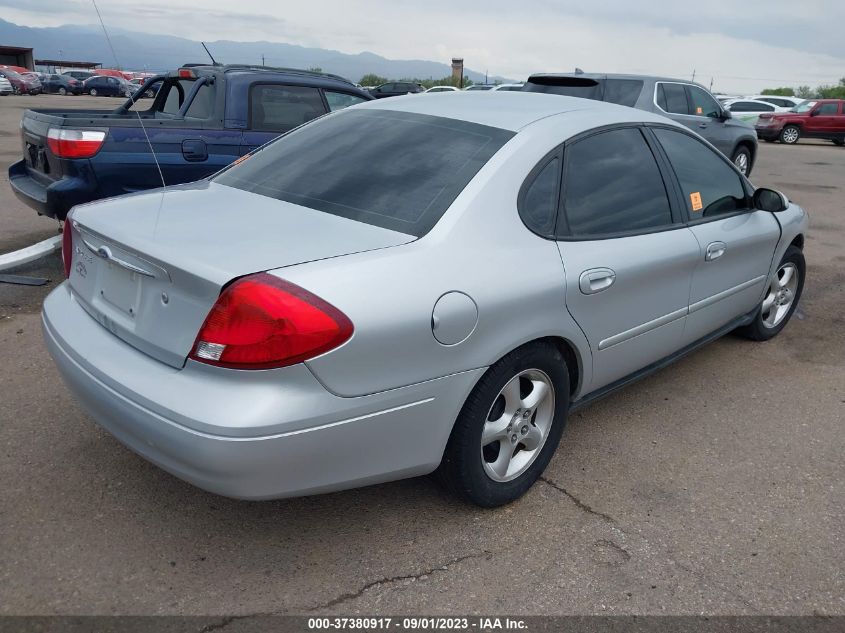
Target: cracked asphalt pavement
714,486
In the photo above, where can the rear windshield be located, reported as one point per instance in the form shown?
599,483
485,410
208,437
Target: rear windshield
620,91
396,170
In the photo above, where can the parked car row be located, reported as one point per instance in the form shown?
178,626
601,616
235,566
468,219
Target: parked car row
21,83
818,118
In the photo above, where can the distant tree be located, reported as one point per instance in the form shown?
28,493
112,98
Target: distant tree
371,79
804,92
779,92
832,92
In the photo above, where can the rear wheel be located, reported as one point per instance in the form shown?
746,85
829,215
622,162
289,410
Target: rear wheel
781,298
790,134
509,427
839,142
93,92
62,91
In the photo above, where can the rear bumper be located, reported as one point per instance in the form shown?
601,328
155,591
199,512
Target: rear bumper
54,199
249,435
768,133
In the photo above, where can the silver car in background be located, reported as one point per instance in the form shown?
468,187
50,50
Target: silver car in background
413,285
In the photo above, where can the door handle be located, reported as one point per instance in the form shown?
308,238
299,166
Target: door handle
702,125
714,251
595,280
194,150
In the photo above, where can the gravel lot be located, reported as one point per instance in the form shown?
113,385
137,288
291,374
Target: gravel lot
715,486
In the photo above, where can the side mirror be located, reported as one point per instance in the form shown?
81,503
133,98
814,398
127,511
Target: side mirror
726,114
814,113
770,200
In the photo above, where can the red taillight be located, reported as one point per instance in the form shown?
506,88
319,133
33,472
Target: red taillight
261,322
67,246
766,115
187,73
75,143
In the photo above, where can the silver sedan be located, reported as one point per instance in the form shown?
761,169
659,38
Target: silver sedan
413,285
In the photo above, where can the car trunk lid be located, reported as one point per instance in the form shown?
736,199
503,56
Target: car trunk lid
150,266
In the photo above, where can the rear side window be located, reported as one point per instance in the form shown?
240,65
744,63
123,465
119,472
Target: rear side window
613,185
672,98
341,100
566,86
711,187
828,108
275,108
623,91
538,204
203,104
748,106
396,170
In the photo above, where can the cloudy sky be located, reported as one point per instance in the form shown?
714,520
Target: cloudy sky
740,45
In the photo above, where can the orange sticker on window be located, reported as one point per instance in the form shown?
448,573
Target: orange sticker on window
699,110
695,198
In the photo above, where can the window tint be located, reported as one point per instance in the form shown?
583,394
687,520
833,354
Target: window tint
276,108
613,185
750,106
702,103
710,186
828,108
538,207
396,170
341,100
622,91
567,86
672,98
203,104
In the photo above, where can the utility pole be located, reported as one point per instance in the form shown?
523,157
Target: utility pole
711,84
262,59
693,74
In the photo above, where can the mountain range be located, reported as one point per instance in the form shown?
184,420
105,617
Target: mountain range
148,51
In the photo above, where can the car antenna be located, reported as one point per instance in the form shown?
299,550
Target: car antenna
213,61
131,98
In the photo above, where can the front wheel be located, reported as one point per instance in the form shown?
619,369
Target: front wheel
838,142
742,160
790,134
509,427
781,298
62,91
93,92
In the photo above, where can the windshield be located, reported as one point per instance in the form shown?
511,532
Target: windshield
395,170
804,106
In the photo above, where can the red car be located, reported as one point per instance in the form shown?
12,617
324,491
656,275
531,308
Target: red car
819,118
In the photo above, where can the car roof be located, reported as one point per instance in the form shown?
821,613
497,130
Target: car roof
507,110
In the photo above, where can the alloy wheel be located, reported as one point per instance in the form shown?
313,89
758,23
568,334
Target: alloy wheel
517,425
781,295
790,135
741,161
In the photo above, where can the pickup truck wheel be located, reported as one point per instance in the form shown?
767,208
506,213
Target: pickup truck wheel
508,428
790,134
93,92
62,91
781,298
742,160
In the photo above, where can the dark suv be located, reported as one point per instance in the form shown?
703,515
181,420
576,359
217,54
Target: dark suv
395,89
682,101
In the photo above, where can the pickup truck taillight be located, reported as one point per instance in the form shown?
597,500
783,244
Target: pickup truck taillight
75,143
263,322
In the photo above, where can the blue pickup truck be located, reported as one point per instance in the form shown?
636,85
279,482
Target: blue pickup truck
201,119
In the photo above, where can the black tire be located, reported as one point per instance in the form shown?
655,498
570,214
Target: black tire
788,137
838,142
757,330
461,470
742,156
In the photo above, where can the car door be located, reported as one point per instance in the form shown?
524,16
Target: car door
822,119
628,259
278,108
736,242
